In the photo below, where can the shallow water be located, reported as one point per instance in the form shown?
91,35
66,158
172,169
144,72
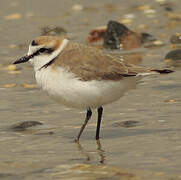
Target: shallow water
149,150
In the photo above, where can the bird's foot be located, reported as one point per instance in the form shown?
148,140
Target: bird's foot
76,140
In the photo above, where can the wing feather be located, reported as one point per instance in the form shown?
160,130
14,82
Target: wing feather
89,63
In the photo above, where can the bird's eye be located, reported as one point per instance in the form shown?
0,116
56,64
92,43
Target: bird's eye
42,50
33,43
45,50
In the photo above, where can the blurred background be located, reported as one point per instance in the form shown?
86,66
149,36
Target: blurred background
140,134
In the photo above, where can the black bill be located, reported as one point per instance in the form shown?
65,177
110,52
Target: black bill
23,59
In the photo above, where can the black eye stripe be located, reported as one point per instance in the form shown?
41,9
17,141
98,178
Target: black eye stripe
41,51
45,50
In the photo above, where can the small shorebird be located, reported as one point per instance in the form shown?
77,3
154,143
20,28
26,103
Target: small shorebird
81,76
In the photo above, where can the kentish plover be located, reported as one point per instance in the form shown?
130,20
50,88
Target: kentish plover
81,76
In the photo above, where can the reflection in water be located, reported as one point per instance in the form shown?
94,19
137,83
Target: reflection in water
83,151
101,152
87,154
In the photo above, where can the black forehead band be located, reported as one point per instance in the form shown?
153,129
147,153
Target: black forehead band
33,43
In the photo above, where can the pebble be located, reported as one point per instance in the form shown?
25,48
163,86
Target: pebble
174,16
53,31
7,85
14,72
160,1
129,16
12,46
24,85
171,101
12,67
143,26
113,34
145,37
13,16
176,38
127,124
156,43
149,11
144,7
126,21
77,7
22,126
174,55
173,58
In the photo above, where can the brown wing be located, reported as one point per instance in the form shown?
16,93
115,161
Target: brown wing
89,63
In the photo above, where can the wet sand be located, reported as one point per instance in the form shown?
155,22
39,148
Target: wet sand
151,149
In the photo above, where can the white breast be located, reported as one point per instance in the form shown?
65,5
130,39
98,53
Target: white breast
65,88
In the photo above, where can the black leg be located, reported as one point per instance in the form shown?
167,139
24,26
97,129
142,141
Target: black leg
99,110
88,116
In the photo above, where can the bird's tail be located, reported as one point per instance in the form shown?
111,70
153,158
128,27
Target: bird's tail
162,71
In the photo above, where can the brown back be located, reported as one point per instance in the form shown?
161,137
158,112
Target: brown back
89,63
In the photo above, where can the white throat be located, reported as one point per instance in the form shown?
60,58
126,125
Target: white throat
41,60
